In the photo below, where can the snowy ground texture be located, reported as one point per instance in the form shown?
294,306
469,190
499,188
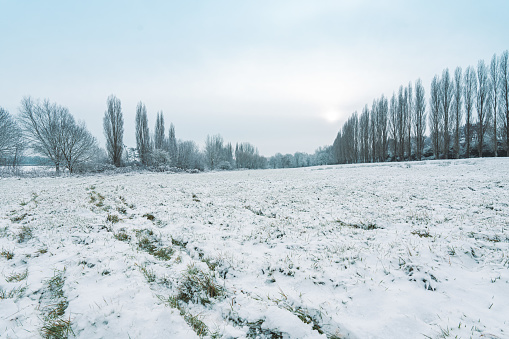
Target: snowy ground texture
399,250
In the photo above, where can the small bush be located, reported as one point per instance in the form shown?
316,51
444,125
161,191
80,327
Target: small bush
224,165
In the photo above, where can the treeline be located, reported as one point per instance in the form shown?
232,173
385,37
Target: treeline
50,130
468,116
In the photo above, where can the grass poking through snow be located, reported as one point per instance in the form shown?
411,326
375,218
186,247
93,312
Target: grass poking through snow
53,308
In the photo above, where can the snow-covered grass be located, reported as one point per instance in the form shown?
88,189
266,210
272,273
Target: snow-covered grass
396,250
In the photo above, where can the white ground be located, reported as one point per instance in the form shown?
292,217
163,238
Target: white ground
285,242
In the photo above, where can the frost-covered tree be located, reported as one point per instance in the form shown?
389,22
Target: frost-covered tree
482,103
364,137
189,156
435,118
172,145
409,119
159,134
446,94
469,95
504,96
216,153
113,125
53,132
142,134
420,118
78,145
456,109
494,87
246,156
381,127
11,139
401,113
374,139
41,123
393,122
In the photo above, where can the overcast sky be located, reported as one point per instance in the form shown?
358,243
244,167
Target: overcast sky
283,75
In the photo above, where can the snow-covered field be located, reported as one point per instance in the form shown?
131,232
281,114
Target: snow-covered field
399,250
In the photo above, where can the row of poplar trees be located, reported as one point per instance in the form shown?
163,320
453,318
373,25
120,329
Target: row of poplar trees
468,115
156,149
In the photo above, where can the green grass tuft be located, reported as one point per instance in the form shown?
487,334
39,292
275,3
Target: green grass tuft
164,253
25,234
198,287
112,218
7,254
15,293
17,276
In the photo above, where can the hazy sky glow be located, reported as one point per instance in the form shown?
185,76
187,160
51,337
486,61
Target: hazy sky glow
283,75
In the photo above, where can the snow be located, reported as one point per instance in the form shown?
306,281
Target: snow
393,250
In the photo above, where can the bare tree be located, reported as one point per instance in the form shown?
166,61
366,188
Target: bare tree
409,119
11,139
393,117
494,86
446,93
504,94
159,136
402,121
373,137
381,126
435,118
172,144
456,107
53,132
364,134
78,145
189,156
337,152
470,92
482,103
113,124
41,125
142,134
215,151
420,118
